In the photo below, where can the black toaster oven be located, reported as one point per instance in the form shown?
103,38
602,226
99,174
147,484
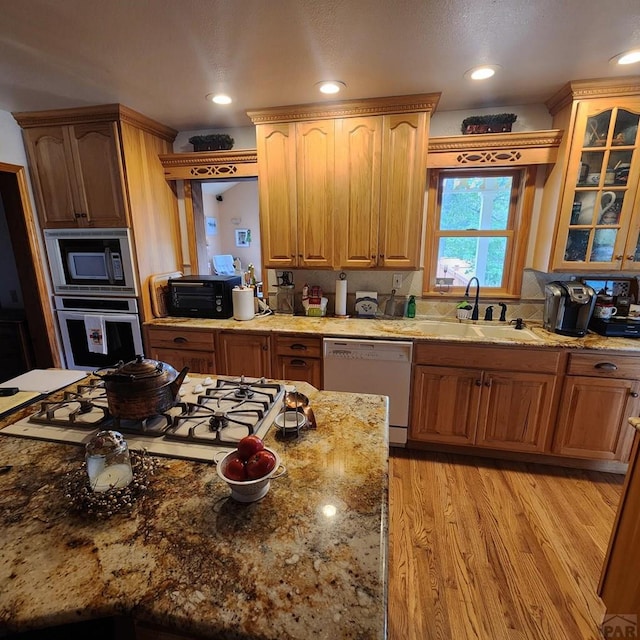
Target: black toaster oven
202,296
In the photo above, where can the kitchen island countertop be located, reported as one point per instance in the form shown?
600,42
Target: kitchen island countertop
308,560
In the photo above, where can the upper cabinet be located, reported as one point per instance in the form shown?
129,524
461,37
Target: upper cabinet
77,175
591,204
342,184
99,167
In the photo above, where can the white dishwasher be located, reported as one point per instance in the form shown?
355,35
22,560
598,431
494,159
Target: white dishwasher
380,367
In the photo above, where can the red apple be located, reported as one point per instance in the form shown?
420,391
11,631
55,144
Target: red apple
260,464
235,469
249,446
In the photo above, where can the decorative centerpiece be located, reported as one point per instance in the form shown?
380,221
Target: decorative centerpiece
212,142
497,123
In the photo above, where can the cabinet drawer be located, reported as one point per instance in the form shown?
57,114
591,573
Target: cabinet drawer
181,339
296,346
488,358
606,365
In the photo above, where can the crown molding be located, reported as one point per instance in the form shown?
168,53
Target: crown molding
346,109
592,89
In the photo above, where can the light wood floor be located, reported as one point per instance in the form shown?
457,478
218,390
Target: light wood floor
495,550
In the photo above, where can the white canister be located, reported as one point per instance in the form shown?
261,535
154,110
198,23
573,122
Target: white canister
243,305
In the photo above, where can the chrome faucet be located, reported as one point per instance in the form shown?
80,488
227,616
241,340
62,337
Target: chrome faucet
474,313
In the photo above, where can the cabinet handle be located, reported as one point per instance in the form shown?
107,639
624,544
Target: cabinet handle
180,340
296,362
634,394
298,347
606,366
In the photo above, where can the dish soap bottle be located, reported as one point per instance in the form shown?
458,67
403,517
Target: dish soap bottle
411,307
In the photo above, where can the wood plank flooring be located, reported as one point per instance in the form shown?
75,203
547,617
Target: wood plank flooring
495,550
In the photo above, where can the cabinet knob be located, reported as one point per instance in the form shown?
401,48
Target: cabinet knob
265,347
606,366
634,394
619,257
487,383
631,258
478,383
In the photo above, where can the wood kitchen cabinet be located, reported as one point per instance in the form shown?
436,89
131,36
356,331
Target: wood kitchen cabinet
193,348
298,358
77,175
591,201
488,397
241,353
600,393
99,167
342,186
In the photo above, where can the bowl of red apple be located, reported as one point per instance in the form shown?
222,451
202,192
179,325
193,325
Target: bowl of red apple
248,470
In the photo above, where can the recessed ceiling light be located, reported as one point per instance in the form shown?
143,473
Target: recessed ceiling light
219,98
330,86
628,57
482,73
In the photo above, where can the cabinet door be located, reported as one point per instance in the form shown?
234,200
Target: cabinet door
598,225
197,361
277,187
243,354
515,411
297,368
444,406
404,162
593,418
52,175
358,154
98,169
315,169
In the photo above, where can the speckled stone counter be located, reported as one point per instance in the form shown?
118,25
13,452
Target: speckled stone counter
398,329
307,561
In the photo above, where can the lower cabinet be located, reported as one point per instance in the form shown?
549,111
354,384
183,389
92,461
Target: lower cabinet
499,398
183,348
245,354
298,358
600,393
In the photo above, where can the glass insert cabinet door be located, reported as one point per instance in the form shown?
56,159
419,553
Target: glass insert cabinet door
600,221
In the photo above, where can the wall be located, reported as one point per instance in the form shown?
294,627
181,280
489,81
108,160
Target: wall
238,209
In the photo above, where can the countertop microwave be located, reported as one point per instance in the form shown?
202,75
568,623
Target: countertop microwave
95,262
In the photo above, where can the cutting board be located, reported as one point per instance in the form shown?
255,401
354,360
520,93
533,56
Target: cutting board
159,287
9,403
45,380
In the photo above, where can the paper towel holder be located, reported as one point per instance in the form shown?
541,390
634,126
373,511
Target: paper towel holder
342,278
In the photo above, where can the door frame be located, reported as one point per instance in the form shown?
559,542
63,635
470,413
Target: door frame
25,239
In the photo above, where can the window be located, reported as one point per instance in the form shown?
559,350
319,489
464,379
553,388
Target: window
477,224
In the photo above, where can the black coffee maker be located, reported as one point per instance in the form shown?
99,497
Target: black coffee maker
568,307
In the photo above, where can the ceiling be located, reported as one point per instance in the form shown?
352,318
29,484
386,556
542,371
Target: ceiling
161,57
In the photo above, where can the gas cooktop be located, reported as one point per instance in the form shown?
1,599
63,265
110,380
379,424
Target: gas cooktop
211,415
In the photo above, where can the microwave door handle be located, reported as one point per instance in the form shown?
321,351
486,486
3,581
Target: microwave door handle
109,262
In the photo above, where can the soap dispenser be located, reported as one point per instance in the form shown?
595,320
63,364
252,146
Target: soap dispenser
411,307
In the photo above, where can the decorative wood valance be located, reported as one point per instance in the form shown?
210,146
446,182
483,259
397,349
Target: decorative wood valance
210,165
494,149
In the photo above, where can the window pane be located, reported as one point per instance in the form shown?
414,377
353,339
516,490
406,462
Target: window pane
462,258
475,203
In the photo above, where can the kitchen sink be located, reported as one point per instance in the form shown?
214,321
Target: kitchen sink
467,330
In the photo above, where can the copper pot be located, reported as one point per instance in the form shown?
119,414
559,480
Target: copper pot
141,388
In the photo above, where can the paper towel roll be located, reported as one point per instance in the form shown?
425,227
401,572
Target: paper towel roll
341,297
243,305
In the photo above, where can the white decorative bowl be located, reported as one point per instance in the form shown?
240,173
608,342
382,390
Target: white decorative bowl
249,490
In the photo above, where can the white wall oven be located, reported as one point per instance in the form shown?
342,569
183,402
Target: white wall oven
98,332
96,262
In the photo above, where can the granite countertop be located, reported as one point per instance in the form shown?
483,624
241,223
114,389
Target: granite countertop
192,559
402,329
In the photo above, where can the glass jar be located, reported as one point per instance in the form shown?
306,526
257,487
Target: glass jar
108,461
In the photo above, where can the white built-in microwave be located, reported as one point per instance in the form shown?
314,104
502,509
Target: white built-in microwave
91,261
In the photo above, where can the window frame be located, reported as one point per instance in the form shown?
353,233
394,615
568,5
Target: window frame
517,232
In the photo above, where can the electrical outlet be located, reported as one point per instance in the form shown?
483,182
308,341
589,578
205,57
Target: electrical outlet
397,281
